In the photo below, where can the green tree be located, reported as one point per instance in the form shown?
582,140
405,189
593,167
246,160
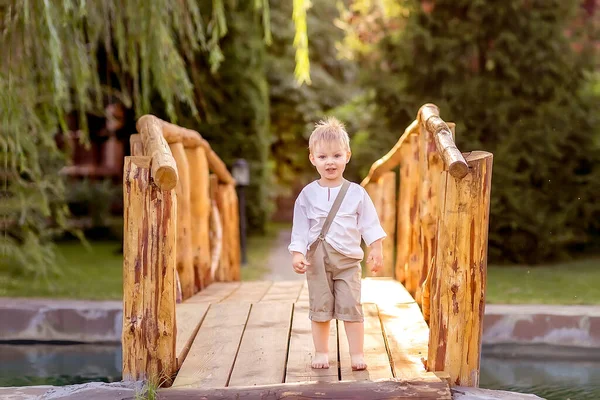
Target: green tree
509,76
50,67
295,109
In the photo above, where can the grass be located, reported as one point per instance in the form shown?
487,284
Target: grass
97,273
94,274
574,282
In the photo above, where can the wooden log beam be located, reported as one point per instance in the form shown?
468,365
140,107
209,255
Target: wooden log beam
391,159
429,387
429,116
200,206
164,168
148,337
458,281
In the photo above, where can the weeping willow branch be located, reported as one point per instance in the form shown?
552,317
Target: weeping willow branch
302,70
50,67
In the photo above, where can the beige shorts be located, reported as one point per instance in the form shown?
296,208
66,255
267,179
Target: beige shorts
333,284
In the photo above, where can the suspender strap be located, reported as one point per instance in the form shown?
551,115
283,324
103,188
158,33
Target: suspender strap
334,209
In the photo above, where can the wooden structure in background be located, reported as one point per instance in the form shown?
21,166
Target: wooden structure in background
433,202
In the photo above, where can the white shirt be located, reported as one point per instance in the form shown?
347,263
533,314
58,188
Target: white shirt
356,218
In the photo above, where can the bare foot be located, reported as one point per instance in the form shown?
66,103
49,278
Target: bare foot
358,362
320,360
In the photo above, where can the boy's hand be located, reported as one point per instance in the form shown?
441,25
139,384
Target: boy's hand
375,259
299,263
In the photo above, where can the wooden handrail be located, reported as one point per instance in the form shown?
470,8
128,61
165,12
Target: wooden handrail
392,158
429,115
163,166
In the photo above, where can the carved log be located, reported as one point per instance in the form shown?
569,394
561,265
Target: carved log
164,169
150,214
429,115
199,213
458,281
185,263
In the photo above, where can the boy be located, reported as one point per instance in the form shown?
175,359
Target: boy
326,236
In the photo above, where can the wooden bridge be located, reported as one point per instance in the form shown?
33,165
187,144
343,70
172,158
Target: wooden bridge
190,325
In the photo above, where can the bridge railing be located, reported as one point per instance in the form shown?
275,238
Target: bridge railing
181,232
437,223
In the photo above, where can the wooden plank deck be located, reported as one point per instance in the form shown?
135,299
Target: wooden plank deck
258,333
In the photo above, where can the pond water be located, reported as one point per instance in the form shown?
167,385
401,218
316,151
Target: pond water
58,364
548,372
551,378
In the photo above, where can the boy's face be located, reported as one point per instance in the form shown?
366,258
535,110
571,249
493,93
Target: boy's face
330,159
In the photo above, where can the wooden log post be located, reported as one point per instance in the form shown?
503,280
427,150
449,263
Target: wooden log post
229,265
426,286
407,172
383,194
216,228
414,249
458,281
236,251
149,259
430,169
199,207
375,191
225,260
185,263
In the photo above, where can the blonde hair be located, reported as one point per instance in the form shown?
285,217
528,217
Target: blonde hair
329,130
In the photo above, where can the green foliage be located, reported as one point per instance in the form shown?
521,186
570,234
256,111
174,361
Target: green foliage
507,74
295,109
51,65
235,104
